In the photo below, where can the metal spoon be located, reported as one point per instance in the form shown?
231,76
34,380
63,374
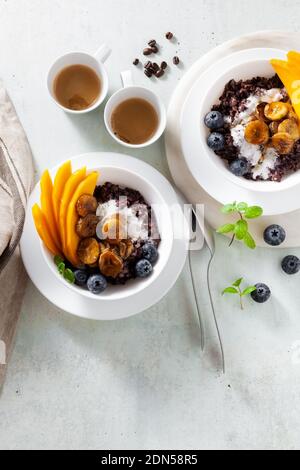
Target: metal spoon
209,240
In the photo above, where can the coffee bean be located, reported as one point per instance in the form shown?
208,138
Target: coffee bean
136,62
148,73
155,67
152,43
148,65
154,49
169,35
176,60
160,73
164,65
147,51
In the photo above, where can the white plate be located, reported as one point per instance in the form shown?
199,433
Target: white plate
71,301
198,157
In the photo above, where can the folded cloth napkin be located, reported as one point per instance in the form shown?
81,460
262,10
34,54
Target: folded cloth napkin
16,178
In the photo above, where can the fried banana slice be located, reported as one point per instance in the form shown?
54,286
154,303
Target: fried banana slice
257,133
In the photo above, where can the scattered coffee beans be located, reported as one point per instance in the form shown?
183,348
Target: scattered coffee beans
160,73
152,68
148,73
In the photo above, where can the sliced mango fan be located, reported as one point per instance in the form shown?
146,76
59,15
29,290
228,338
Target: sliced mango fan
56,217
289,73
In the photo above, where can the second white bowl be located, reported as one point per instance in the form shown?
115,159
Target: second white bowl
160,208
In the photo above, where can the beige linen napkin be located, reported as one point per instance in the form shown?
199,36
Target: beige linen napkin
16,177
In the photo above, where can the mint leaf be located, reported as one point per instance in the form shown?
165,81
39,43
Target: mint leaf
238,282
253,212
230,290
69,276
235,289
227,228
248,291
242,206
61,268
240,229
249,241
229,208
58,260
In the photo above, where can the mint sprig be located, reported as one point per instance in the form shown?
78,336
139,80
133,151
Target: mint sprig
67,273
235,288
240,229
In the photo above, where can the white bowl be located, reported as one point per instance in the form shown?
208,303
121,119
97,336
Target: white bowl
240,68
160,208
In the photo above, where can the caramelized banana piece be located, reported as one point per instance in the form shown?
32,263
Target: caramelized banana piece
283,143
273,126
292,114
86,226
291,127
126,249
114,229
110,264
88,251
86,204
257,133
260,111
103,247
276,111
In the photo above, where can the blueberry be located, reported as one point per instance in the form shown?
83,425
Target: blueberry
291,264
274,235
143,268
81,277
214,120
239,167
96,284
261,294
216,141
150,253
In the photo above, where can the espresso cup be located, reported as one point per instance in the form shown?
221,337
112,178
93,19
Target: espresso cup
94,61
130,91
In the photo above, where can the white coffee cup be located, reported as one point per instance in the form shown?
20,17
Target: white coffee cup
130,91
94,61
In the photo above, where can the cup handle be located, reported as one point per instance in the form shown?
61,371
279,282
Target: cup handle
126,78
103,53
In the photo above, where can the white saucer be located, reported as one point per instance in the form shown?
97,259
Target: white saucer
94,309
198,157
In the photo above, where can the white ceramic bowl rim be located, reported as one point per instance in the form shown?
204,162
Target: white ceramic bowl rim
165,227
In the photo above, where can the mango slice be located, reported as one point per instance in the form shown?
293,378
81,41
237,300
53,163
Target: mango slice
43,230
68,192
87,186
47,206
294,59
283,72
60,181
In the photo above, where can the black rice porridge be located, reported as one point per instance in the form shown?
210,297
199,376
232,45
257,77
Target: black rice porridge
133,199
238,105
